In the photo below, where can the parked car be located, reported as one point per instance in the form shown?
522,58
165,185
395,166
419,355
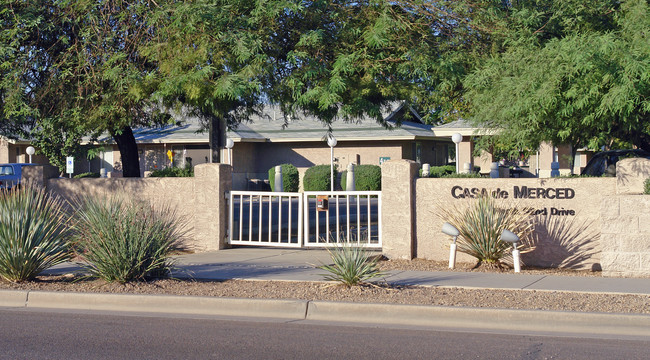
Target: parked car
604,163
10,175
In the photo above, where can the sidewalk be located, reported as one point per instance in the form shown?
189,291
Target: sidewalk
301,265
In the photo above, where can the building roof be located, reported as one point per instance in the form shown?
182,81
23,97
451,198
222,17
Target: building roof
271,126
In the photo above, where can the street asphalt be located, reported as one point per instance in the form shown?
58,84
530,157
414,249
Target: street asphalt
301,265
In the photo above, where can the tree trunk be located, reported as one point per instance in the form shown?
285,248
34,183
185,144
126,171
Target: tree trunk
217,137
128,151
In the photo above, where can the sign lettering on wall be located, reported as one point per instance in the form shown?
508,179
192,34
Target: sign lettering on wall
522,192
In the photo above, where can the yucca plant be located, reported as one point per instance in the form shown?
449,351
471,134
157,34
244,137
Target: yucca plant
122,240
33,233
351,265
481,222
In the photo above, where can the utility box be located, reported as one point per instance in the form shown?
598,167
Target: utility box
322,203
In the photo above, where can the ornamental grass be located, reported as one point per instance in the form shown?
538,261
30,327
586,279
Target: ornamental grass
481,221
33,233
120,240
352,265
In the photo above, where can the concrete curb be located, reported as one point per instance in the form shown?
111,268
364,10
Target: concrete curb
13,298
192,305
480,319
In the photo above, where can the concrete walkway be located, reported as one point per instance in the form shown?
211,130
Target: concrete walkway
301,265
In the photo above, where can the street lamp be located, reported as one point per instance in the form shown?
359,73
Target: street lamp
229,144
30,151
331,141
451,230
509,236
457,138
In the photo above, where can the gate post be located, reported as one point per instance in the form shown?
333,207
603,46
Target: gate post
212,182
397,199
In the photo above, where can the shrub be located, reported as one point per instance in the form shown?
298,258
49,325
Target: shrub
188,171
290,178
124,240
469,175
87,175
33,233
646,186
367,178
317,178
440,171
352,265
480,224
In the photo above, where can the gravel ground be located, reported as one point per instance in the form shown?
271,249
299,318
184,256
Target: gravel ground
511,299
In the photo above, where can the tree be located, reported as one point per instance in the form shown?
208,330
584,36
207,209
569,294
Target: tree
572,74
80,71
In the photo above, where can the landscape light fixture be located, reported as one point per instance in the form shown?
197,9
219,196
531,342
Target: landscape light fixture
451,230
457,138
229,144
30,151
509,236
331,142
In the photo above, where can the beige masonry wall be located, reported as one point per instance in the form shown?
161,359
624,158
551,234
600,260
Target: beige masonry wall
625,228
625,235
566,227
200,200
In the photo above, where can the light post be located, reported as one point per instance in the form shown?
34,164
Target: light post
509,236
30,151
331,141
229,144
451,230
457,138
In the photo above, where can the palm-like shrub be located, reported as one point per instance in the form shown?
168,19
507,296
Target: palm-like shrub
646,186
351,265
33,233
122,240
481,222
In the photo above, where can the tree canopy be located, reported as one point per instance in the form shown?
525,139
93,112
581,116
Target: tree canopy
572,73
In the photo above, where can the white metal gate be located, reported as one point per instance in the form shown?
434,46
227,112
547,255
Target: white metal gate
294,220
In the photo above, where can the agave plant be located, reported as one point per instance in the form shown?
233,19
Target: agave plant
122,240
33,233
351,265
481,222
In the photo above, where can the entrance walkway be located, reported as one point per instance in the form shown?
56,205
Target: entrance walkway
301,265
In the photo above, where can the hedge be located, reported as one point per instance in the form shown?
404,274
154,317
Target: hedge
440,171
188,171
366,178
317,178
290,178
87,175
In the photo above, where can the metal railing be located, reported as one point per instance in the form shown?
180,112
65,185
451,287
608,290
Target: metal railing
293,219
265,218
351,216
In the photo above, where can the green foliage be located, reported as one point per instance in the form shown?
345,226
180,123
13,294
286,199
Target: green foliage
468,175
317,178
125,240
33,233
440,171
367,178
352,265
290,178
87,175
481,221
571,74
646,186
188,171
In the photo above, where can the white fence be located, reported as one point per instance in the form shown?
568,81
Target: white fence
294,220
